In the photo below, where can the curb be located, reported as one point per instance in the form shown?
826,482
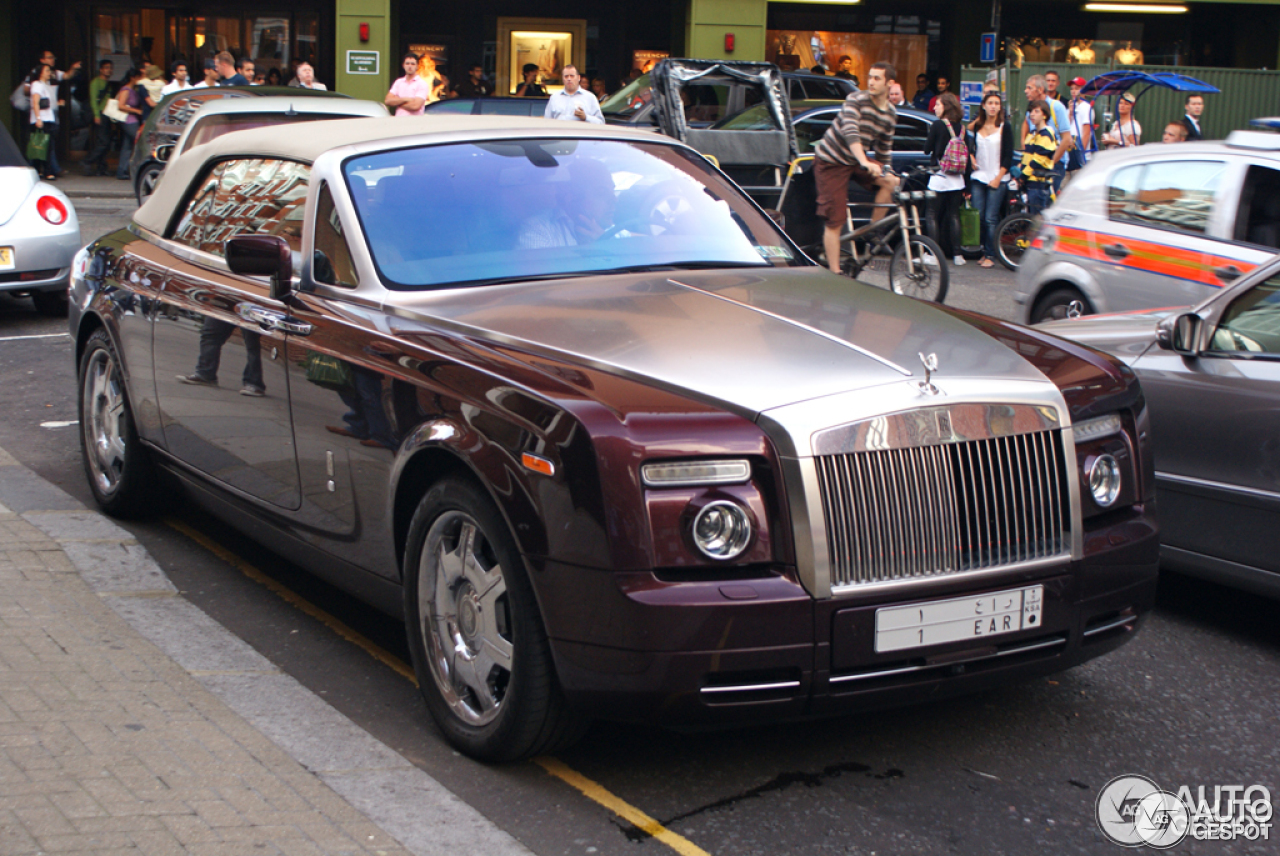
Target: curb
407,803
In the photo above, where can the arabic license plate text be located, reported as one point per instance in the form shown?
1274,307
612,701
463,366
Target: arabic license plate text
959,619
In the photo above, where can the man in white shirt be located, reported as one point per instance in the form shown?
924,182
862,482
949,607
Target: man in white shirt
307,78
179,81
211,75
574,103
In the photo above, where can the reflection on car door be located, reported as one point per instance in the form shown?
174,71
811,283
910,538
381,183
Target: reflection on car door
349,410
218,352
1217,426
1166,238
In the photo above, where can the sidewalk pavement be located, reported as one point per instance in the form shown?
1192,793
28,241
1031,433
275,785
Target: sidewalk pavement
78,186
131,722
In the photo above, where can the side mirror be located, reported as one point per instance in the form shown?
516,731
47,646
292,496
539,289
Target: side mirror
164,152
1180,334
262,255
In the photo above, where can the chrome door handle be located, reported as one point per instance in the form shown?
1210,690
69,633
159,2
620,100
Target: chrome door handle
270,319
292,325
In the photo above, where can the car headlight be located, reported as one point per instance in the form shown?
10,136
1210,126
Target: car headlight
1093,429
722,530
689,473
1103,474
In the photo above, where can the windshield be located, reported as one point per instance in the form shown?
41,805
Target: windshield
630,99
472,213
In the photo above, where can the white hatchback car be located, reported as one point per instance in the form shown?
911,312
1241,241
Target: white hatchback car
1156,225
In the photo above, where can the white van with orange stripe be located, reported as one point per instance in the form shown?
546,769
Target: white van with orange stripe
1155,225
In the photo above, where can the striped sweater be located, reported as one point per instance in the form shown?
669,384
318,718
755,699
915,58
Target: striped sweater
859,121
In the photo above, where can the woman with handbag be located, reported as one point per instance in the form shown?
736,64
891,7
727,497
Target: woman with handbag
992,158
129,101
948,151
44,123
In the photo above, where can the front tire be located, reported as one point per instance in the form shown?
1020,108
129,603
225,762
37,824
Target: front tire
1013,237
1056,305
479,649
926,276
120,471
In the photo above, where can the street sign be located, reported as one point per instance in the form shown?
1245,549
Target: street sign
362,62
988,51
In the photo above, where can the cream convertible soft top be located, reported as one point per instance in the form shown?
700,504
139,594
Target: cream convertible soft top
284,141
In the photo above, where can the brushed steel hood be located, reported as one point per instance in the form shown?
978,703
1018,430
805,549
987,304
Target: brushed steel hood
749,341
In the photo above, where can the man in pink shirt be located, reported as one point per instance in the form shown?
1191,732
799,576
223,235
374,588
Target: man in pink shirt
408,95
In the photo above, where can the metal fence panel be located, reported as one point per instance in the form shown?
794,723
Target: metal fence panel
1245,94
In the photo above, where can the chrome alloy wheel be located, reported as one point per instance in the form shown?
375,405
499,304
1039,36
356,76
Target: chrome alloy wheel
104,414
465,618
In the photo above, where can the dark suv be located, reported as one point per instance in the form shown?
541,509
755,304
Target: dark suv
633,104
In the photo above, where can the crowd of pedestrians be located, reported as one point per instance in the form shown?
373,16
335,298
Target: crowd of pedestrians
109,109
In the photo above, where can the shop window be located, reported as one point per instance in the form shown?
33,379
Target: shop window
249,196
114,39
1178,195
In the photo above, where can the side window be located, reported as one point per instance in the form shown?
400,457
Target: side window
910,135
1177,195
332,263
809,131
1258,220
249,196
820,88
1252,322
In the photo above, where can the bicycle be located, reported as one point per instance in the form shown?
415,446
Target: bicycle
916,265
1017,230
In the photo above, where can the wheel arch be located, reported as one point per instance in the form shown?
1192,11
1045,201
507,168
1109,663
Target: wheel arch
1057,275
443,449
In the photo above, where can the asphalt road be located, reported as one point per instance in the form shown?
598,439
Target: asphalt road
1192,700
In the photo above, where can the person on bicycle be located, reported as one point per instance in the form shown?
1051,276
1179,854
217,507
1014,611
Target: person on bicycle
865,123
1038,156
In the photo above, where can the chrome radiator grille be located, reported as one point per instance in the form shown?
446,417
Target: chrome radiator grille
898,514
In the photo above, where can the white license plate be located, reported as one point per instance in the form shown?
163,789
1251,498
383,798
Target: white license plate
6,258
901,627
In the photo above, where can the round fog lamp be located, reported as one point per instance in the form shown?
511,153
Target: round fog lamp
722,530
1104,480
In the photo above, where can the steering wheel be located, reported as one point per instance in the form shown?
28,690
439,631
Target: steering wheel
660,208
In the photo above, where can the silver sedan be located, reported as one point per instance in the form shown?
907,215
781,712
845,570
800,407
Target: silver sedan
1211,376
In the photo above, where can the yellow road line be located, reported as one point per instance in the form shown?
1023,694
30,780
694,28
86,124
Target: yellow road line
592,791
620,807
290,597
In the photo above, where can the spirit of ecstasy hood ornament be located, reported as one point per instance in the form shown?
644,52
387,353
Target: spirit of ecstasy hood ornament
930,364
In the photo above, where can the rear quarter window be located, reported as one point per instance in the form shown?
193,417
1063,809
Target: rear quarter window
1166,194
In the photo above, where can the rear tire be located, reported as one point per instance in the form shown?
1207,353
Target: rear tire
479,648
1013,237
120,471
1054,305
926,277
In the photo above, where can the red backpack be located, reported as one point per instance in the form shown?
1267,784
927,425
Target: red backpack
955,159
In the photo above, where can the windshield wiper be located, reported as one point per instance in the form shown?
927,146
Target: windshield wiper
691,265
